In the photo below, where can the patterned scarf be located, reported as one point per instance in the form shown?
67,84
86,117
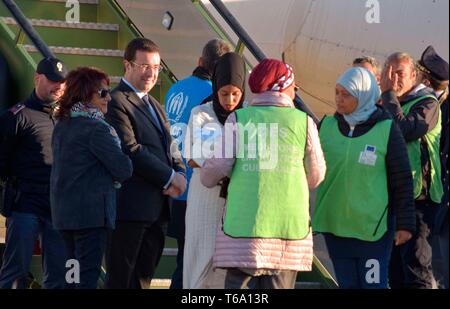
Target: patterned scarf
86,110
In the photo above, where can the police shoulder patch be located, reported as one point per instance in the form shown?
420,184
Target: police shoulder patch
17,108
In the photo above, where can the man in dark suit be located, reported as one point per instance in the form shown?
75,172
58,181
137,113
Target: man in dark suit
136,245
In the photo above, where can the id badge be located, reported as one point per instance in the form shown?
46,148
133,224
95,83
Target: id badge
368,156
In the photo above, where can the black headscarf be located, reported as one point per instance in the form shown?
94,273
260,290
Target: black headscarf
229,70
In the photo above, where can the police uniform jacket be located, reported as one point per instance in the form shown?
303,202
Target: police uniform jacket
25,154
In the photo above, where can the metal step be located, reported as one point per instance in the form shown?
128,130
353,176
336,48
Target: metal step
63,24
64,52
170,252
79,1
160,283
80,51
44,9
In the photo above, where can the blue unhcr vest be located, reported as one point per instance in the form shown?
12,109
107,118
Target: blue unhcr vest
181,98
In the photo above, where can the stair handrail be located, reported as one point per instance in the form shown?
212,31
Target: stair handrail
26,26
123,15
254,49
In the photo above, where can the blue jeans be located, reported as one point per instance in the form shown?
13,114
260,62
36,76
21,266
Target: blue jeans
22,231
87,246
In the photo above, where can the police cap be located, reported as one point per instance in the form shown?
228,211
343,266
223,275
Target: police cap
432,63
54,69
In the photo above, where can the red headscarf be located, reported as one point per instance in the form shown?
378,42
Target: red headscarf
271,75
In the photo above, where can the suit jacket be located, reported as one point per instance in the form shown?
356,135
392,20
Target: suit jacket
141,198
87,161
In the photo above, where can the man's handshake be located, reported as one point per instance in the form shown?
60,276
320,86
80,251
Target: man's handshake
177,187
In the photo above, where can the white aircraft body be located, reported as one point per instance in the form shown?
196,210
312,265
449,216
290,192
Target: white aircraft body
319,38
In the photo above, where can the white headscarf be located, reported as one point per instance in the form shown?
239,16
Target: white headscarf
361,84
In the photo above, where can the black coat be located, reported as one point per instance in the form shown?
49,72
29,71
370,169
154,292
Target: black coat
26,155
141,197
400,183
87,161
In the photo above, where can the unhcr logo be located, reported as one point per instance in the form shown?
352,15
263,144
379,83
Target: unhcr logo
176,105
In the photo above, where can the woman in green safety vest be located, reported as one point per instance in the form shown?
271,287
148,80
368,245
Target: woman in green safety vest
265,237
365,204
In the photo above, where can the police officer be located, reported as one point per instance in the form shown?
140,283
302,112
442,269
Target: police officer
435,74
25,166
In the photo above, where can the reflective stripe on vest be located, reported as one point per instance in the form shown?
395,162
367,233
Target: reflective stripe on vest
268,195
352,200
432,141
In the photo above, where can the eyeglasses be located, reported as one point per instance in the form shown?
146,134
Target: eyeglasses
146,67
103,93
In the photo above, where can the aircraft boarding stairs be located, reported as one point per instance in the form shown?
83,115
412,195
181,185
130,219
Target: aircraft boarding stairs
99,40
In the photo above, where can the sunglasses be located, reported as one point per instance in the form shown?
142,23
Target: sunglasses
103,93
296,88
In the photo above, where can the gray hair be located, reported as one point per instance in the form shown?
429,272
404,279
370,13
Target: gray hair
212,51
367,59
401,56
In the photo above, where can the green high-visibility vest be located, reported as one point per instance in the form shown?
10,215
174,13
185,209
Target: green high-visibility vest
268,195
352,200
432,141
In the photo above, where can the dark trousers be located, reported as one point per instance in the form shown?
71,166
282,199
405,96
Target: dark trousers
441,256
177,276
22,231
237,279
87,247
360,264
361,273
410,265
133,253
176,229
